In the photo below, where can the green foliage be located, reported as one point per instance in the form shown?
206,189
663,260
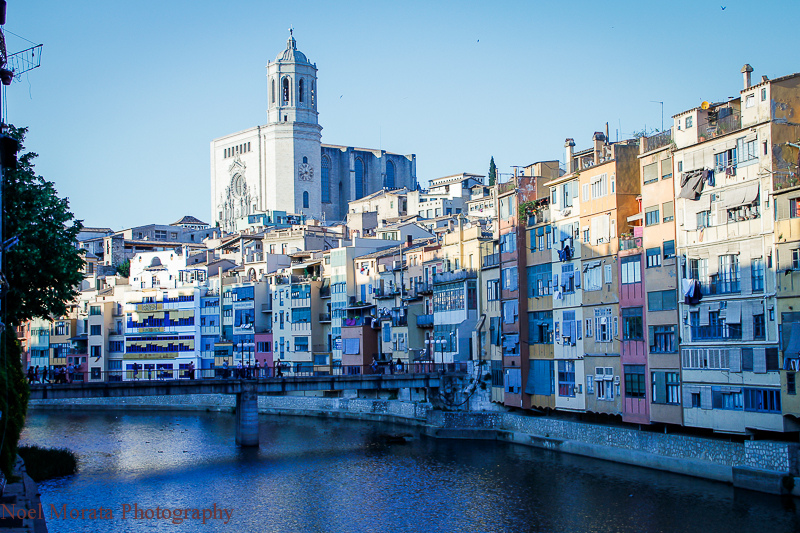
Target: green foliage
48,463
124,269
14,394
492,173
44,268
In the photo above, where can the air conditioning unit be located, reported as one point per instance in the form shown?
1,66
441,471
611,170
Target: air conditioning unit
381,268
616,380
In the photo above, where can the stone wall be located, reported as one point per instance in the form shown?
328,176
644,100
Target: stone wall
717,459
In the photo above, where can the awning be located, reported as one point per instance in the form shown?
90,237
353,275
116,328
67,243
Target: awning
734,313
793,348
479,325
634,218
741,196
703,203
751,193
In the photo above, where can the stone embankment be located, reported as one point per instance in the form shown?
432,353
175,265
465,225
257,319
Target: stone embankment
766,466
20,506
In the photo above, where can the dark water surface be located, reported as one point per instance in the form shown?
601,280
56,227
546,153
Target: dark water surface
324,475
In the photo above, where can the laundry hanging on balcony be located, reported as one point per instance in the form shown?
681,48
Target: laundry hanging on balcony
691,184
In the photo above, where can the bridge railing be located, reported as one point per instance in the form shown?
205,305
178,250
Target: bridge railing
283,371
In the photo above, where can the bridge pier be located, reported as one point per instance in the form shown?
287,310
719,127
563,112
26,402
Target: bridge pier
247,416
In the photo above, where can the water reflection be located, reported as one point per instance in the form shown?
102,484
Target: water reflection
329,475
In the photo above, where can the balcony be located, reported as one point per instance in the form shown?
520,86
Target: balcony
717,332
386,293
491,260
325,292
267,307
399,321
425,288
630,243
324,318
656,141
425,321
209,330
719,127
447,277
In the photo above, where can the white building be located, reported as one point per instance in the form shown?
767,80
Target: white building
283,165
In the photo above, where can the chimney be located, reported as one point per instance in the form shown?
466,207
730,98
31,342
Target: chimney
746,70
599,139
409,240
569,144
764,78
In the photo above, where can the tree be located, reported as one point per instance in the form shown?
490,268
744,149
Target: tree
44,268
43,273
124,268
492,173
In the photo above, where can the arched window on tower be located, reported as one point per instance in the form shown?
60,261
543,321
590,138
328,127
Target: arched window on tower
305,199
325,182
313,94
359,179
305,160
300,90
389,175
273,90
285,96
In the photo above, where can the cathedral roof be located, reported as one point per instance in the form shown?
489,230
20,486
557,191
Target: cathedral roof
292,54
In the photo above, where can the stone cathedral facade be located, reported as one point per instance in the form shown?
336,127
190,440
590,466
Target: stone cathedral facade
283,165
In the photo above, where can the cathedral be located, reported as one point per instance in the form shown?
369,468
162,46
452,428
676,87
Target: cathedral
283,165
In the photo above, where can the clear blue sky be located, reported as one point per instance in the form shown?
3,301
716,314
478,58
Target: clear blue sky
130,94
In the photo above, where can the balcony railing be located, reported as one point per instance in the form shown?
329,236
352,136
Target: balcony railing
398,321
656,141
425,321
447,277
717,332
324,317
425,288
630,243
721,126
267,307
491,260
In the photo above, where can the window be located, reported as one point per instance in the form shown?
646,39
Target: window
662,300
757,274
510,311
325,181
651,216
716,329
301,344
763,94
631,269
566,378
728,274
540,280
599,186
160,235
666,387
602,325
666,168
689,122
493,290
728,398
509,279
662,339
669,249
593,278
725,162
762,400
359,178
634,381
508,243
795,259
698,269
668,208
650,173
95,310
116,346
632,324
653,257
747,151
568,279
285,96
750,100
389,184
604,382
540,325
96,330
703,219
695,399
759,329
305,199
794,212
791,383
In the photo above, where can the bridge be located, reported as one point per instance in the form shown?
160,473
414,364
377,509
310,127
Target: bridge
245,389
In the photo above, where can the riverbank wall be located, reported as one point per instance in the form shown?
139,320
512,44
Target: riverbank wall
764,466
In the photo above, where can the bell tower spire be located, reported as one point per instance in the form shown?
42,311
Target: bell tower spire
292,86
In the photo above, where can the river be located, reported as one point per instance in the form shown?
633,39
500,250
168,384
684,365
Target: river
313,474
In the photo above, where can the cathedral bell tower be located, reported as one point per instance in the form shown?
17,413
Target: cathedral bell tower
292,134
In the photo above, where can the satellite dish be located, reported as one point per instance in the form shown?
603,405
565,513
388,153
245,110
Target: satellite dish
705,105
